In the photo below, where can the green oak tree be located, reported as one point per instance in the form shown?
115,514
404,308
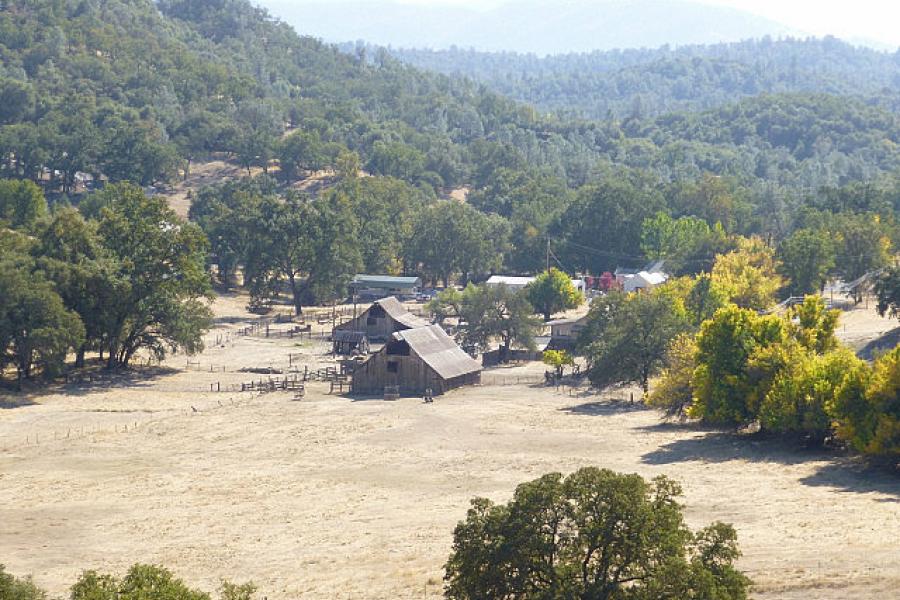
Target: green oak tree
592,534
22,204
36,329
806,258
553,291
149,581
489,313
162,290
15,588
632,346
887,291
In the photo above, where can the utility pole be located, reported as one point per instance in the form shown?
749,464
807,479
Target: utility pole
548,254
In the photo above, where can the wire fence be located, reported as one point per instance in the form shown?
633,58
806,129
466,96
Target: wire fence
496,379
116,425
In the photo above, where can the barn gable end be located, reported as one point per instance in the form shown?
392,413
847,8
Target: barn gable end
416,360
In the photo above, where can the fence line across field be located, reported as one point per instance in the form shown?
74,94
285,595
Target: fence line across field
38,438
491,379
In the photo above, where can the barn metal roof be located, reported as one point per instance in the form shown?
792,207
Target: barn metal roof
509,280
398,312
347,336
438,351
386,281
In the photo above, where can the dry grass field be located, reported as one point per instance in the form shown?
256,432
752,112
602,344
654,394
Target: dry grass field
328,497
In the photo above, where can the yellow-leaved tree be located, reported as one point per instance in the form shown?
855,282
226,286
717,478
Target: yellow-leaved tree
867,407
748,275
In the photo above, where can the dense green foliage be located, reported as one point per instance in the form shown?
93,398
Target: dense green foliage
637,82
137,90
788,374
887,290
629,337
35,326
868,406
592,534
488,313
673,393
129,276
553,291
141,582
14,588
159,289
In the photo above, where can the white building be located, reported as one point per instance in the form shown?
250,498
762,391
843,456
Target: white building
513,283
519,283
643,281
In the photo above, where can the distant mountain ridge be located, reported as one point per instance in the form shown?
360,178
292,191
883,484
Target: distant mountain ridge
535,26
648,82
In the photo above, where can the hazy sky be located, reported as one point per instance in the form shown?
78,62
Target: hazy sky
874,20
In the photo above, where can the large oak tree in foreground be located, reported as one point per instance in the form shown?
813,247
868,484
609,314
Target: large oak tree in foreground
595,535
161,284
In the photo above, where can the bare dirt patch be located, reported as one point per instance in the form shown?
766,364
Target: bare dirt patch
331,497
203,174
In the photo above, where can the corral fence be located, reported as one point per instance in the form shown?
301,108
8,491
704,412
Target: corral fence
266,330
294,382
496,357
502,379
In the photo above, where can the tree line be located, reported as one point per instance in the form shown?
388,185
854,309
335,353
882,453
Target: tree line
655,81
718,354
276,236
119,275
138,90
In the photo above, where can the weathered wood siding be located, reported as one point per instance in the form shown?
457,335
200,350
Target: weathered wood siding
412,375
377,324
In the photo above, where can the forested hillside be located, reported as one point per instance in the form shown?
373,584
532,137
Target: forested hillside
134,90
118,88
648,82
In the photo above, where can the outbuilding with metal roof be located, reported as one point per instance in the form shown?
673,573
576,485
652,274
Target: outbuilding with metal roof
383,318
416,360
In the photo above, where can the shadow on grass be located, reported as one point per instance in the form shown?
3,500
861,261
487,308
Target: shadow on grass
854,475
10,399
847,474
231,320
720,446
89,381
605,407
888,341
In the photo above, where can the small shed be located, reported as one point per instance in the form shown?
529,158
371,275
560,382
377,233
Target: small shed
382,286
383,318
564,333
348,343
415,360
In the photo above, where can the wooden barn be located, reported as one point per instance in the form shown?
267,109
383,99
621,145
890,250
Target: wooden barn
384,317
416,360
349,343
